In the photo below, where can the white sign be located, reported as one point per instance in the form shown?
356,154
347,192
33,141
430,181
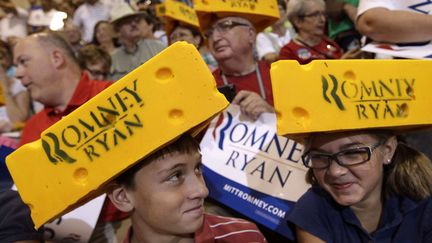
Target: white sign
251,169
423,51
77,225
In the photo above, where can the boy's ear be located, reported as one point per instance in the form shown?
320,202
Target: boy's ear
120,198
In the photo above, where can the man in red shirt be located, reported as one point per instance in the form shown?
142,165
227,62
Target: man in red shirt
47,67
231,40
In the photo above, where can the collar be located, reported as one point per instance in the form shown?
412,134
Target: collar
79,97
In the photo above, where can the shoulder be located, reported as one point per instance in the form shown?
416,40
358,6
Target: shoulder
151,43
232,229
15,224
315,213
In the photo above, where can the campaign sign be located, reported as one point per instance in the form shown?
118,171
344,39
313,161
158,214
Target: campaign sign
251,169
412,51
76,226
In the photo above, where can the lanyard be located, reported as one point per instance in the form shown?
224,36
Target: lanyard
260,82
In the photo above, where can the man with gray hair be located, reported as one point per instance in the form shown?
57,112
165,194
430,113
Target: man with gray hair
231,35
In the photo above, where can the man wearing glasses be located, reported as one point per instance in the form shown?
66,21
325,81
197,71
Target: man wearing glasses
231,40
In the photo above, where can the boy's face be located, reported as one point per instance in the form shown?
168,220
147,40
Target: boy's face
169,194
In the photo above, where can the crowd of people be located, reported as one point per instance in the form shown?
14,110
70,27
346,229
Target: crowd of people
56,55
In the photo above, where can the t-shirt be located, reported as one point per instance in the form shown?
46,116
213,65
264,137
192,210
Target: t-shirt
218,229
402,220
344,24
124,62
269,42
249,81
326,49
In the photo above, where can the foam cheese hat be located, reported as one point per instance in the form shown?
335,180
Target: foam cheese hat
261,13
338,95
172,93
176,13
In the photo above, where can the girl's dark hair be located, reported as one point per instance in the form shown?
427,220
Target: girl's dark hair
185,144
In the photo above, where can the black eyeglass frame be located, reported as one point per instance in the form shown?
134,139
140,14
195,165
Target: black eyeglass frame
334,157
223,27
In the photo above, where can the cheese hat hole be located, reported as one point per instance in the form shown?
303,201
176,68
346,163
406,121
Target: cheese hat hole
80,176
403,110
176,116
278,115
302,116
164,74
299,112
349,75
410,92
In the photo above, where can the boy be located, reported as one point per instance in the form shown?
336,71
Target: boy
165,193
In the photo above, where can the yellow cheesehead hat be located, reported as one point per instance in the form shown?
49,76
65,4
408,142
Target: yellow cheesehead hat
176,13
143,111
342,95
261,13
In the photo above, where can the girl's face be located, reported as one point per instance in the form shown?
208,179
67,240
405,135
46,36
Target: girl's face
352,185
104,33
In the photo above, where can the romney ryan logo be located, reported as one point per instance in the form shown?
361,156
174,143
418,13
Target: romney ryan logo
111,122
380,98
256,150
248,4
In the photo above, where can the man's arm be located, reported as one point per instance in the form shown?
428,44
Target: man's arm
395,26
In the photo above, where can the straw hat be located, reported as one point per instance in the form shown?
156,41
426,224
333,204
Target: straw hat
123,11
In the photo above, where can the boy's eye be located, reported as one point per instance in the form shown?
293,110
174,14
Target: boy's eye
198,169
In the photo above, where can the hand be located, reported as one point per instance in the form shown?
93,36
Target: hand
354,53
251,104
5,126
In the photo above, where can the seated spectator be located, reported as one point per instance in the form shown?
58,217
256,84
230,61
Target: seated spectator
164,194
104,36
13,24
87,15
270,41
193,36
16,224
73,36
231,38
95,61
16,107
180,26
311,43
134,50
367,186
45,17
395,21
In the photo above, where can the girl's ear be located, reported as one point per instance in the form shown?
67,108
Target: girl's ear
120,197
389,149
